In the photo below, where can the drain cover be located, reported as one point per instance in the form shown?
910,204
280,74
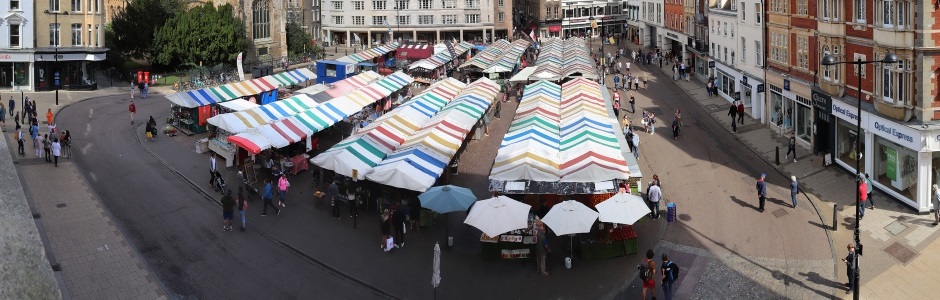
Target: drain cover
60,205
896,227
780,213
900,252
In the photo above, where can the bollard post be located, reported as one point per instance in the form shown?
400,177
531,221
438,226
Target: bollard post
777,155
835,214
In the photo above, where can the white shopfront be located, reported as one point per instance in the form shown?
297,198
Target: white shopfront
901,160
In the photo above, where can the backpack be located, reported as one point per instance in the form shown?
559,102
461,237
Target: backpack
673,270
645,272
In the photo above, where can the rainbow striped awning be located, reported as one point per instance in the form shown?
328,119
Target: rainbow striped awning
226,92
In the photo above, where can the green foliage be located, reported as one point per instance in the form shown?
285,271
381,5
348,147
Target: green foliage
298,40
204,34
133,28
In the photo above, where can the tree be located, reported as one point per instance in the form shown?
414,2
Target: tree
133,27
204,34
298,40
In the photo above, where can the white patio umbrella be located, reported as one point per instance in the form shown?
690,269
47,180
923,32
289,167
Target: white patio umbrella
498,215
436,271
622,208
570,217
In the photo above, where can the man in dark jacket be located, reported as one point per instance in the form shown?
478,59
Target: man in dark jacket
762,191
228,211
398,220
733,112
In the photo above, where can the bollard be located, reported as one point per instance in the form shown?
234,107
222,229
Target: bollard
835,216
777,155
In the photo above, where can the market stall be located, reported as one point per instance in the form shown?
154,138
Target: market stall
241,121
375,55
509,59
219,142
247,88
486,57
421,158
507,226
429,70
325,91
329,71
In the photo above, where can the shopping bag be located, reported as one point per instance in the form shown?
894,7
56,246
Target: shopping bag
389,244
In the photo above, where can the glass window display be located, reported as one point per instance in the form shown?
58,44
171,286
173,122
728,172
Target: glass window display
846,133
895,167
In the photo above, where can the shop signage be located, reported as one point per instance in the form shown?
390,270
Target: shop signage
350,69
786,84
760,88
14,57
822,102
891,163
845,112
672,35
897,133
744,81
711,64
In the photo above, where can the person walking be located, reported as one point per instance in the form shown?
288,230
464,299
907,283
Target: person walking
19,142
332,193
733,112
741,112
282,185
669,270
871,189
655,194
12,106
541,246
385,228
37,139
132,108
850,268
47,147
56,151
791,147
636,83
398,220
636,144
936,205
228,211
761,192
268,198
794,189
49,117
647,273
212,169
3,115
617,105
242,204
617,81
862,195
497,107
675,128
652,122
632,104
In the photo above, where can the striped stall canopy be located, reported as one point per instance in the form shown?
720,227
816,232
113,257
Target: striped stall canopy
508,60
441,58
369,54
226,92
250,140
241,121
369,146
486,57
421,158
529,150
295,128
589,151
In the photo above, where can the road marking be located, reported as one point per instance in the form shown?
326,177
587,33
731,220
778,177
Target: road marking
87,128
85,149
93,177
91,112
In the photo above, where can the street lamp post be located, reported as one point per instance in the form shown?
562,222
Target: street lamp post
55,67
830,60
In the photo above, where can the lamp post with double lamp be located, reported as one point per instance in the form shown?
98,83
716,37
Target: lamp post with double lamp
830,60
55,67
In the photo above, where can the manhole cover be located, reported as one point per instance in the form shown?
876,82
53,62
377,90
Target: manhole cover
900,252
60,205
896,227
780,213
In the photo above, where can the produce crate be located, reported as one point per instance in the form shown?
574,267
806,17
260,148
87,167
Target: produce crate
630,247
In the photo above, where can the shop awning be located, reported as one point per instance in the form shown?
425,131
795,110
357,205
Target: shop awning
414,52
251,141
239,105
369,54
226,92
554,28
529,150
440,58
370,145
241,121
507,61
523,75
295,128
589,150
489,54
421,159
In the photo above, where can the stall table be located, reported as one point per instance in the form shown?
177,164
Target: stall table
516,247
224,149
299,164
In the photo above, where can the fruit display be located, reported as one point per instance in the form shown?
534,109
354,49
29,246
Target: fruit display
609,235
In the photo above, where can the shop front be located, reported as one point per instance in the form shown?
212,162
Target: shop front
15,70
902,161
72,71
823,126
790,108
675,42
726,81
749,94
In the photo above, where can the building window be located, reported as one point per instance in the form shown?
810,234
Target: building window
449,4
378,5
837,69
54,5
402,4
97,36
76,34
425,4
358,5
425,20
902,10
743,12
358,20
76,5
54,35
802,8
802,52
472,19
14,35
89,36
860,11
779,6
449,19
827,70
472,3
825,10
404,20
499,3
337,5
379,20
757,13
778,47
500,17
726,29
338,20
757,57
886,16
14,4
894,83
261,20
743,48
97,7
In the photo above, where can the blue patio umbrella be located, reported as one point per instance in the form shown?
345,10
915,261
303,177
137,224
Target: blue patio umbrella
446,199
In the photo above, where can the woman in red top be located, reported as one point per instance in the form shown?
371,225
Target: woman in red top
862,196
649,283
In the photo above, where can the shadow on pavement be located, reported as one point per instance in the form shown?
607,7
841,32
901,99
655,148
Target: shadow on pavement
744,203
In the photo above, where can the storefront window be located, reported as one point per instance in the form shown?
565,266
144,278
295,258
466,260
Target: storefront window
21,73
846,133
935,168
776,115
804,122
73,75
895,167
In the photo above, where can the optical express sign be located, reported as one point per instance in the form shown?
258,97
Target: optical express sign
902,135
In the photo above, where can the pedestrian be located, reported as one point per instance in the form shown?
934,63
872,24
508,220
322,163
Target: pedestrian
652,122
3,115
862,195
132,109
675,128
132,90
35,137
56,151
628,66
791,147
385,227
12,105
850,268
398,220
794,189
268,198
146,90
647,273
498,106
871,189
47,147
617,105
212,169
542,246
628,135
19,141
242,206
632,104
708,89
740,112
282,185
636,144
670,274
49,117
486,123
655,194
636,83
616,81
761,192
332,193
646,79
733,112
228,211
936,205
